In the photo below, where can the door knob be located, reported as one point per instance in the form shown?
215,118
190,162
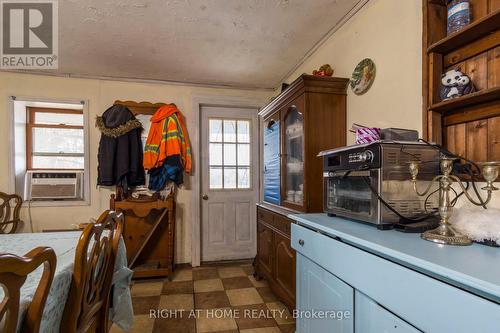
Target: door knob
204,197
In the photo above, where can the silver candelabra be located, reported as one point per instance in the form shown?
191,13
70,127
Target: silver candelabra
445,233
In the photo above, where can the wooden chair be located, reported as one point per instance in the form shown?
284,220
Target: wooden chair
13,273
88,302
10,205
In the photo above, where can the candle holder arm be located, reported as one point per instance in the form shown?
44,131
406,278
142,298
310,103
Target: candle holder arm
421,194
466,192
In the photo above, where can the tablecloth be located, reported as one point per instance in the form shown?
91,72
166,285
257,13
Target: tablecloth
64,245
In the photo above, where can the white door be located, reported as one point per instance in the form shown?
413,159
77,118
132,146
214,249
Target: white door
229,188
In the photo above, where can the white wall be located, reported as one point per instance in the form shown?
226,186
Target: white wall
100,95
390,33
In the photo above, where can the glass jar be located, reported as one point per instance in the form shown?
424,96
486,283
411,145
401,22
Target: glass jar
458,15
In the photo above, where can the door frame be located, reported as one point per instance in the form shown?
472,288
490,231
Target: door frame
197,102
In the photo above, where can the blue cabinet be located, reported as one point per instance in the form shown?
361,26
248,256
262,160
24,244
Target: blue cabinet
324,302
333,273
370,317
271,161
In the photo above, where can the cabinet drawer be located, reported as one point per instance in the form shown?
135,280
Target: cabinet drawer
265,215
411,295
282,223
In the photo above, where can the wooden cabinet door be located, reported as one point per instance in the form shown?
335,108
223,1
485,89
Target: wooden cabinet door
264,250
318,289
284,266
372,318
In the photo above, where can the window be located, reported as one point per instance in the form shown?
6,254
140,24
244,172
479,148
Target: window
54,138
229,154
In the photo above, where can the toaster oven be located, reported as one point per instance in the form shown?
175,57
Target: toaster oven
359,179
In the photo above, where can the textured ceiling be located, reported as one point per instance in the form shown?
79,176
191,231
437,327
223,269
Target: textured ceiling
244,43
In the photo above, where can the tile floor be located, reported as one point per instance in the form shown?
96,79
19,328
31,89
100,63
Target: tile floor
222,298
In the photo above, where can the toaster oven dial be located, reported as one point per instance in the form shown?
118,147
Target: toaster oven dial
366,156
361,157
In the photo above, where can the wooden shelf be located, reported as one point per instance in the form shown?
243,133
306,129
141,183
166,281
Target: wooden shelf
470,33
478,97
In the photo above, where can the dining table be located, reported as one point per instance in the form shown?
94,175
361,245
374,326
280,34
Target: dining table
64,245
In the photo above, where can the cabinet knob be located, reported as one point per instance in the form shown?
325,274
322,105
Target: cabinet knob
301,242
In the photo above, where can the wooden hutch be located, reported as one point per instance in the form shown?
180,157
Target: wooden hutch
308,117
468,125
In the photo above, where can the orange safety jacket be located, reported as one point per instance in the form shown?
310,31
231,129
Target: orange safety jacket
167,136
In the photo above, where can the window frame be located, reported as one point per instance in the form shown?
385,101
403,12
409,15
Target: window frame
30,125
236,143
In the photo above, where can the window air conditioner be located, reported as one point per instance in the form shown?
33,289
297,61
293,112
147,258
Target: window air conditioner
53,185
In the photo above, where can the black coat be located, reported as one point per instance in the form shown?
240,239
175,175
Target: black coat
120,149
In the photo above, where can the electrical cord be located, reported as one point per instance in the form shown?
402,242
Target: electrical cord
465,168
29,214
404,219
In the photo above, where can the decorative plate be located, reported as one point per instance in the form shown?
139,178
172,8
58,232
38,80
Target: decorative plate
363,76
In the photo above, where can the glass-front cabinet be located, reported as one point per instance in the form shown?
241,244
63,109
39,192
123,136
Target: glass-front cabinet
307,117
293,157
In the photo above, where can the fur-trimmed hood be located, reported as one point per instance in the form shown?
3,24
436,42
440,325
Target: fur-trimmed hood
116,121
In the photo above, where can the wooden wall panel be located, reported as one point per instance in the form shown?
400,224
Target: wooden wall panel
436,23
470,50
494,139
435,71
477,140
472,113
494,67
479,8
454,137
477,68
461,66
493,5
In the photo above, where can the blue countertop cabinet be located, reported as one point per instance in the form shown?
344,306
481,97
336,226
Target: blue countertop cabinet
390,281
321,290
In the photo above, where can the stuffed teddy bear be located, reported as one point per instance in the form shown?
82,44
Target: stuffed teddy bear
455,84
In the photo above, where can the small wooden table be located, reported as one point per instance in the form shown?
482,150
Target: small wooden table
149,234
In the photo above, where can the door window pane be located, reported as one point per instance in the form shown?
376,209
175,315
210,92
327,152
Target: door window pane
243,177
243,131
215,129
229,130
229,177
244,154
215,154
229,154
215,175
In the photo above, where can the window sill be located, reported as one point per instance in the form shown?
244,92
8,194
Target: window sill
56,203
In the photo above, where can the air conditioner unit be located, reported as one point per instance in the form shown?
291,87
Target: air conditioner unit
53,185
